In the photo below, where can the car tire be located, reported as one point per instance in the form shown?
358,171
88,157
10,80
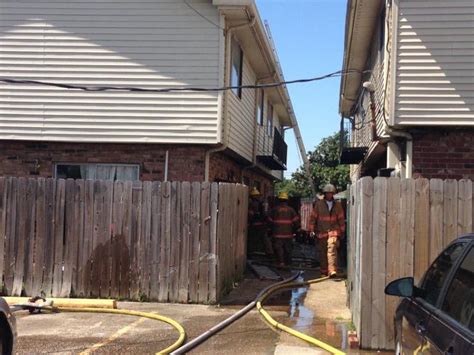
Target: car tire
5,340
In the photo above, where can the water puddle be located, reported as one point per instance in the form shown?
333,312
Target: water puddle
304,319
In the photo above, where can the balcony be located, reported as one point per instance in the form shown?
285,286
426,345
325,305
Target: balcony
274,157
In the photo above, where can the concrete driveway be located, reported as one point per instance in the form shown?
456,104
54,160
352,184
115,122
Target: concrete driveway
73,333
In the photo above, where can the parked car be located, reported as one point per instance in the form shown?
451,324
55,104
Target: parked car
437,316
7,329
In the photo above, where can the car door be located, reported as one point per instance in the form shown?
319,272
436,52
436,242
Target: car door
451,328
420,308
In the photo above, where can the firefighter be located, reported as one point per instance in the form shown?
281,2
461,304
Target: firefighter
284,224
256,223
328,225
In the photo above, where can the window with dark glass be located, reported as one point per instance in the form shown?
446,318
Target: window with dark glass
270,120
435,277
236,68
459,301
260,101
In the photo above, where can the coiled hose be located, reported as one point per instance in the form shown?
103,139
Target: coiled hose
289,330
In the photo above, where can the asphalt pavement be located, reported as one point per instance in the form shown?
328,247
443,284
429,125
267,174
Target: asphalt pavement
75,333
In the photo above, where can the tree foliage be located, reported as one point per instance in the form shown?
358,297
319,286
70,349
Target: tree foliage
325,168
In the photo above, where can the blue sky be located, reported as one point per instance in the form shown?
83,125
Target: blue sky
309,37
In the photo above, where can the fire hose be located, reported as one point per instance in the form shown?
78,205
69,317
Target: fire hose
33,307
268,318
177,347
288,283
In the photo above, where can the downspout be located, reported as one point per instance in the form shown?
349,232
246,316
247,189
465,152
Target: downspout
225,144
255,134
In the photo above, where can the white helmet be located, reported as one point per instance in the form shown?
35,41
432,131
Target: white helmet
329,188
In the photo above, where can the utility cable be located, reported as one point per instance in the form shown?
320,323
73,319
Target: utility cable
203,16
338,73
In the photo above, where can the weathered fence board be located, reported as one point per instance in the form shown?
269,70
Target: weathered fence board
177,242
366,258
422,232
155,239
436,217
464,222
203,293
379,218
194,253
185,242
397,228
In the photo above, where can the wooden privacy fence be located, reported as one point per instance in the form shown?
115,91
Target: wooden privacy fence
397,228
160,241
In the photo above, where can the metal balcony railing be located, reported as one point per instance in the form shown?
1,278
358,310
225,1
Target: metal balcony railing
276,157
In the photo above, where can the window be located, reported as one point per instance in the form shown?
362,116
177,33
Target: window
270,120
459,301
435,277
97,171
260,101
236,69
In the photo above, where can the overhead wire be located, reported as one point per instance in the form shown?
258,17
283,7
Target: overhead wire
338,73
202,15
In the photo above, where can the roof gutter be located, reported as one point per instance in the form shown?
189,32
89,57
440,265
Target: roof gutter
361,21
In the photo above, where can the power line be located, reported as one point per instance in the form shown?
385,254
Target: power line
203,16
174,89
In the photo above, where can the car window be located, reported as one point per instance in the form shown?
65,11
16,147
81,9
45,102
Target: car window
459,301
435,277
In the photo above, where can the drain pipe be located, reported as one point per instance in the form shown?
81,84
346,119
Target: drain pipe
166,165
223,146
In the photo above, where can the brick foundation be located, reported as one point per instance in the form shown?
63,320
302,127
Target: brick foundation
223,168
186,162
444,153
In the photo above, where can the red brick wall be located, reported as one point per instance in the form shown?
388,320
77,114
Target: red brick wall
224,168
186,162
444,154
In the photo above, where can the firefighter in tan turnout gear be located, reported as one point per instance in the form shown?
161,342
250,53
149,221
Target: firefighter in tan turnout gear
284,223
328,224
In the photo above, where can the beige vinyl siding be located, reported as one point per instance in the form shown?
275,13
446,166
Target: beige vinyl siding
435,63
147,44
377,76
242,115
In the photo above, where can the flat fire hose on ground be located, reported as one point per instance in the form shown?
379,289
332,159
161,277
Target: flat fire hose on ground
34,307
268,318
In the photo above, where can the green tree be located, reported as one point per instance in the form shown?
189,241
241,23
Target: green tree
324,166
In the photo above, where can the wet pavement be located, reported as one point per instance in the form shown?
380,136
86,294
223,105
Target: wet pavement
319,311
75,333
